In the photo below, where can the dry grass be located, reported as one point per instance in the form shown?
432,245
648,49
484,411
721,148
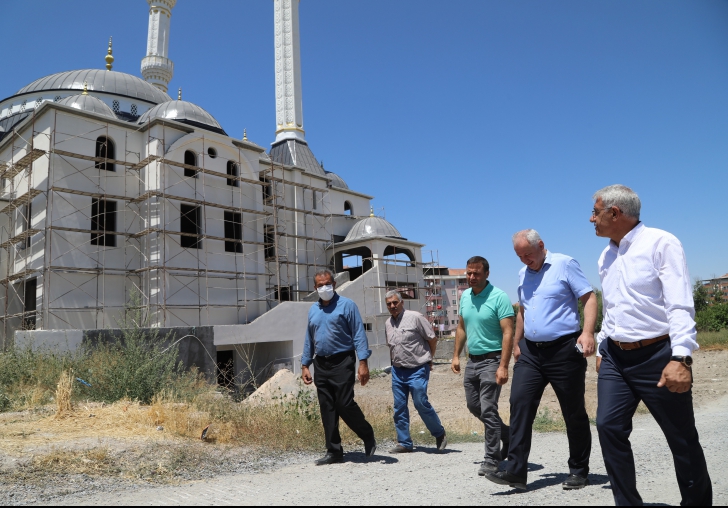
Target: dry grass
713,341
64,392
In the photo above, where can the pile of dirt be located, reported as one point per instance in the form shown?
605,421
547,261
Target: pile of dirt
283,385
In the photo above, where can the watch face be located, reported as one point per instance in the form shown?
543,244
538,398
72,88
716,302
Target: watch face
688,360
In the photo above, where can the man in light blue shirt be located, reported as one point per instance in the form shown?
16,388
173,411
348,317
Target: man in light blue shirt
335,333
550,347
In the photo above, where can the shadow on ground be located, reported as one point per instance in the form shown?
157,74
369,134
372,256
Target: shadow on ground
361,458
552,479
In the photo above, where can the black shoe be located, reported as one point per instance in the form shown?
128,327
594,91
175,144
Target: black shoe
574,482
330,458
486,468
506,478
441,442
370,447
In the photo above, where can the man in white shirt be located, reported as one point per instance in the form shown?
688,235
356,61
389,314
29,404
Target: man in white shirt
645,346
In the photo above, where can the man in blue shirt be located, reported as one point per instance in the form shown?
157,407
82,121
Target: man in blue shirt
550,348
336,335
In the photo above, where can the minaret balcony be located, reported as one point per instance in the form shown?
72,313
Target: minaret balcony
158,64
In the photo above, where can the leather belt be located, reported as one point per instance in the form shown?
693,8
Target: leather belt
630,346
555,342
487,356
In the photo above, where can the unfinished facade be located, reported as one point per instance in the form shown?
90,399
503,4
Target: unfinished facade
116,195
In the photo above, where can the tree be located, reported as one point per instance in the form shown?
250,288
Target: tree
700,296
717,294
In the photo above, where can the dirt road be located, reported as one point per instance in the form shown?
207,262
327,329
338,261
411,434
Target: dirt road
431,478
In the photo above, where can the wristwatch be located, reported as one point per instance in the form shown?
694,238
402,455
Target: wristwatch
685,360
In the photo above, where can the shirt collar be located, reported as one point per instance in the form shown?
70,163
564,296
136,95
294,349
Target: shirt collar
331,302
546,261
630,237
487,289
399,318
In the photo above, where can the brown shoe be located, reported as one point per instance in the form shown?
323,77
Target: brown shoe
400,449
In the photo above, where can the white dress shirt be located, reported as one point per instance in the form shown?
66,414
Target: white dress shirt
647,291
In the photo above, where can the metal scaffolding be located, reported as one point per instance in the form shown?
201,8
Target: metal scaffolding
285,229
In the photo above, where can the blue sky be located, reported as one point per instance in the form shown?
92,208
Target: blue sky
468,120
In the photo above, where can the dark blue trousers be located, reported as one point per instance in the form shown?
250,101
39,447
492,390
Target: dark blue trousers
625,379
565,368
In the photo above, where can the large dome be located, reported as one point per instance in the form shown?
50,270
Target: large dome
99,80
88,103
181,111
372,227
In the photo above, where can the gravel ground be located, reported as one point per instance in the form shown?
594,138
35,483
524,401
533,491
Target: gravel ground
448,478
231,475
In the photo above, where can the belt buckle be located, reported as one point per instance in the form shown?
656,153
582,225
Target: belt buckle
620,346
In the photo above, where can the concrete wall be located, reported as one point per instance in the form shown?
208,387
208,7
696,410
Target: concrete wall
196,347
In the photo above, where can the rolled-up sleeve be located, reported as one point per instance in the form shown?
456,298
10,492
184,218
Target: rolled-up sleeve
361,343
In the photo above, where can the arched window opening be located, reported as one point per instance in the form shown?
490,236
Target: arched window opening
398,256
355,261
105,150
348,209
190,160
232,170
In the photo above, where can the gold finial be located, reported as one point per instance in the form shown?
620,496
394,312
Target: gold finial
85,88
245,134
371,212
179,94
109,57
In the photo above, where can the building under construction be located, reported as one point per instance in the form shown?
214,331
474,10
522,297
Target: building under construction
117,196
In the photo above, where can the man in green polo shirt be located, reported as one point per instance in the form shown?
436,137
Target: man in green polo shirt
486,322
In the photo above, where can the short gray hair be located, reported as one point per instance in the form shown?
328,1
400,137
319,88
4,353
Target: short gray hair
392,293
325,271
531,236
622,197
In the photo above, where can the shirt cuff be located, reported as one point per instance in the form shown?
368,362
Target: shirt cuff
681,351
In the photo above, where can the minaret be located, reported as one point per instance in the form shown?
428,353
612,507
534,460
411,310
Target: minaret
289,106
157,69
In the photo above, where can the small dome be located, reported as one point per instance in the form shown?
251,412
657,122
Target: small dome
99,80
336,180
181,111
88,103
372,227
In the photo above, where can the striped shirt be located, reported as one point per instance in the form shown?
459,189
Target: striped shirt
647,291
407,338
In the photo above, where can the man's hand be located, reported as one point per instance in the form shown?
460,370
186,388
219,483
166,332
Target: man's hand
599,363
363,372
516,351
501,376
432,366
455,365
306,375
588,343
677,377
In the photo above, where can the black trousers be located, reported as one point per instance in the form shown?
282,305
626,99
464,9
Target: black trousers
565,368
334,379
625,379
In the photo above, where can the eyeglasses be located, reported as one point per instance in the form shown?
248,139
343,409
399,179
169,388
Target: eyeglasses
392,304
596,212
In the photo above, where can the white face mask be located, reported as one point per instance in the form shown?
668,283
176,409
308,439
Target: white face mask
326,293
